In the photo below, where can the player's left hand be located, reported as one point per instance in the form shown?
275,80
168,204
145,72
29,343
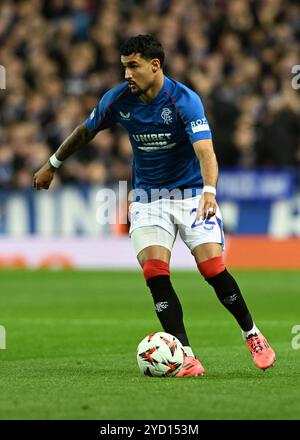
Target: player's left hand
207,207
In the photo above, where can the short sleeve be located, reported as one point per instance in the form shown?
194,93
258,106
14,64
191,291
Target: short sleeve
101,116
192,111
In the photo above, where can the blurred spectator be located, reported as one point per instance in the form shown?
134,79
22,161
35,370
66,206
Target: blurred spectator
62,55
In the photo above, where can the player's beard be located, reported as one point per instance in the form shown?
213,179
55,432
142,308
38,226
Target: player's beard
135,90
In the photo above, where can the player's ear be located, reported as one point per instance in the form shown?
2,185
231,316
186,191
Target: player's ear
155,65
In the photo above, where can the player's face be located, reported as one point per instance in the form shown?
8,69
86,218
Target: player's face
139,72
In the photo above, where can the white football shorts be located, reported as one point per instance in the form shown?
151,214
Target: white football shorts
151,221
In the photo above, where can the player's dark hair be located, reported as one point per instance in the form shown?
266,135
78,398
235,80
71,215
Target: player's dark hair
147,45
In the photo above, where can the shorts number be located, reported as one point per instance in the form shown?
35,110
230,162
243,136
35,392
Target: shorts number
208,224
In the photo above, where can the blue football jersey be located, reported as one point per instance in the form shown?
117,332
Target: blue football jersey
161,133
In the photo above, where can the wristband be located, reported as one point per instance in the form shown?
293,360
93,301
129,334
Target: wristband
209,189
55,162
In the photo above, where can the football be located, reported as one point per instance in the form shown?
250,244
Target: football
160,354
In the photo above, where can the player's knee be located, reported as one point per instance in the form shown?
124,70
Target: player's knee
154,267
212,267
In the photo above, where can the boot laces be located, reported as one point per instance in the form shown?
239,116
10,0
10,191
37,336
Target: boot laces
256,344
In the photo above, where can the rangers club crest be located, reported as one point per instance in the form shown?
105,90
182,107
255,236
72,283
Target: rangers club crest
166,114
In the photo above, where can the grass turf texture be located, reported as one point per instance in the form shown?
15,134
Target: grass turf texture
72,337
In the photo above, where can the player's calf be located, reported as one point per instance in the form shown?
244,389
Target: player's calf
227,290
167,304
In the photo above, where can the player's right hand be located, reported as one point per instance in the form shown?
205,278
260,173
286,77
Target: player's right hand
43,177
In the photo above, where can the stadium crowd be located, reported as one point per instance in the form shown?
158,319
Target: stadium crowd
60,56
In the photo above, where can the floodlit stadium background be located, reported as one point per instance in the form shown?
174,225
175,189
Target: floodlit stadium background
59,58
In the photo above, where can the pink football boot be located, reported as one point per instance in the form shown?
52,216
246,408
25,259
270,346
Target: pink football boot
263,355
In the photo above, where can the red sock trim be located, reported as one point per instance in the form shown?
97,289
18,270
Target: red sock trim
212,267
153,268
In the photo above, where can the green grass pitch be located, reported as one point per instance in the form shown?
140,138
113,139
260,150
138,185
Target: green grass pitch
72,336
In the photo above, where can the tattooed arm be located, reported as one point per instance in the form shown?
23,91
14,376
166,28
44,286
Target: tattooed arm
77,139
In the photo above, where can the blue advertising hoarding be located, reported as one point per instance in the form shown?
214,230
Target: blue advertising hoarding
252,202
